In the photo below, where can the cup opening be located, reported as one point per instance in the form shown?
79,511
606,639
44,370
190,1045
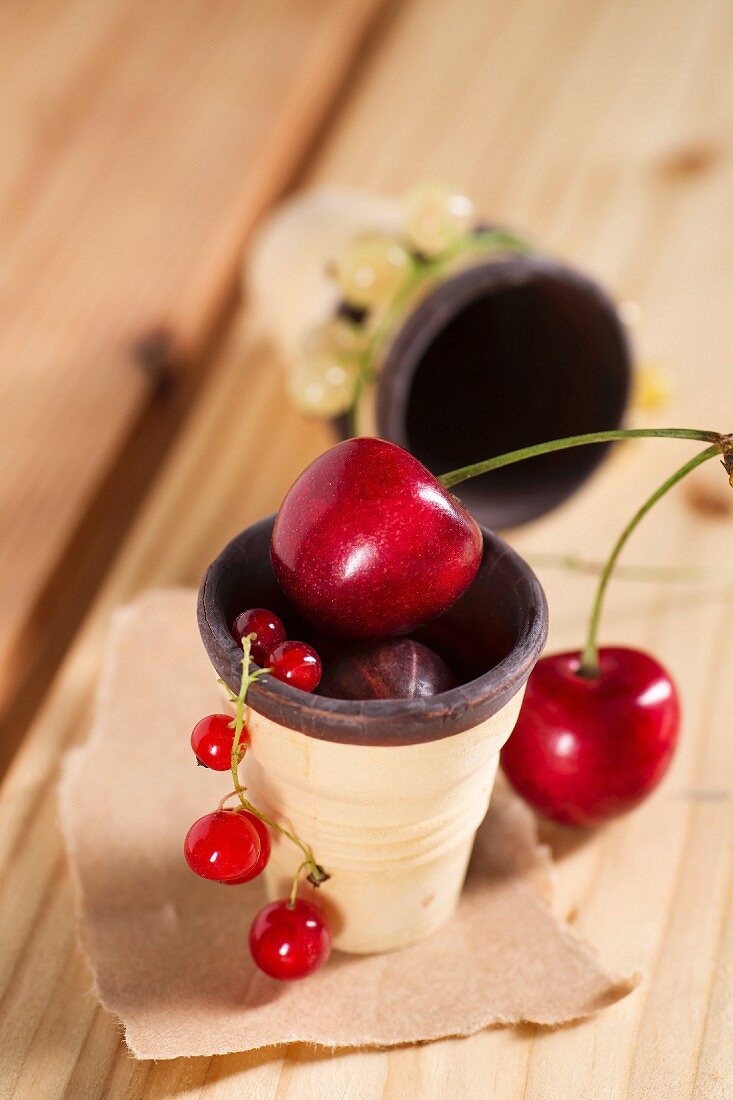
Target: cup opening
491,637
498,357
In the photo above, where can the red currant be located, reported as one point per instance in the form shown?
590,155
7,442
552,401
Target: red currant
289,943
266,625
212,740
297,664
222,846
265,846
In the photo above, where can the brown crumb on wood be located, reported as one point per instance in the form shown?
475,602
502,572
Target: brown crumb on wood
688,161
710,500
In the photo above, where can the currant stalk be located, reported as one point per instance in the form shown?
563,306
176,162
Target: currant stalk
316,873
719,445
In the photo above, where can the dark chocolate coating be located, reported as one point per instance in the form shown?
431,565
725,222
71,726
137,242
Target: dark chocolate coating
494,635
397,668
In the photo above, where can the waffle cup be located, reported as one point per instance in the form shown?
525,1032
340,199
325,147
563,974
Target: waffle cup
387,793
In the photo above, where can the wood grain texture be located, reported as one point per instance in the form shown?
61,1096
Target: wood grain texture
140,142
605,129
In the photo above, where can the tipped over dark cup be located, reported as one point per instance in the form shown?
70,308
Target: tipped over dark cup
506,353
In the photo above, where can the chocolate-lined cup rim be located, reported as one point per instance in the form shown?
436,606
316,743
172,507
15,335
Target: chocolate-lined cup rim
379,722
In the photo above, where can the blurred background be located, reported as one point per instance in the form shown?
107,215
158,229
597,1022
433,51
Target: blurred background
144,421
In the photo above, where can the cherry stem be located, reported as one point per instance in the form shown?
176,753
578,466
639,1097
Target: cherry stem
455,477
316,873
721,444
589,660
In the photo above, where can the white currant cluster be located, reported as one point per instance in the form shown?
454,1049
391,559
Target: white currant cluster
373,274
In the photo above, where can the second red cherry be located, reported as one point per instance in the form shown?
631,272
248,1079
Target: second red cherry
586,749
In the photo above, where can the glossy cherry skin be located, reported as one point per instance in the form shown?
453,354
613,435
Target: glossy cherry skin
397,668
212,740
266,625
265,848
297,664
368,544
289,943
586,750
222,846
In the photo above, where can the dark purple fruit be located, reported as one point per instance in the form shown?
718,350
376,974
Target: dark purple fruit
393,669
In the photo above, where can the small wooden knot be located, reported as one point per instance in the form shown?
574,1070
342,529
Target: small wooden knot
688,161
154,353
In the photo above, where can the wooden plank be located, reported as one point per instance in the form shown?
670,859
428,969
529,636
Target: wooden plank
525,105
139,144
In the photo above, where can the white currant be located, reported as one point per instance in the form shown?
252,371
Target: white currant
372,270
436,218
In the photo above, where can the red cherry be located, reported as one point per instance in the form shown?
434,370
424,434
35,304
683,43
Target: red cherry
266,625
585,750
265,846
222,846
289,943
212,741
368,544
297,664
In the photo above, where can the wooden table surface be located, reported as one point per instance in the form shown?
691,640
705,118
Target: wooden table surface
141,424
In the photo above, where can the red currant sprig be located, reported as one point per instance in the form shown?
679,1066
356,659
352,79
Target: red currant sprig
316,874
289,938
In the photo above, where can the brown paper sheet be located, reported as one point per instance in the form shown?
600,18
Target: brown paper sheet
169,950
